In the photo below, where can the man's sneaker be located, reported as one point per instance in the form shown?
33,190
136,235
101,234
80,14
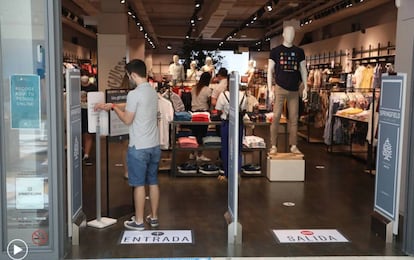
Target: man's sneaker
131,224
203,158
294,149
153,222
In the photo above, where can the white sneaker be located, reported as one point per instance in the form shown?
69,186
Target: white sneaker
203,158
294,149
191,156
273,150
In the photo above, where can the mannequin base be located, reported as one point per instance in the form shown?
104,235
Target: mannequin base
285,167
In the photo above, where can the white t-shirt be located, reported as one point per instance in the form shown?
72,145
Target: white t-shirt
143,132
200,102
219,88
166,116
224,106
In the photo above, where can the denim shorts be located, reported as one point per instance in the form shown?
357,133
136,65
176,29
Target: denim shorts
143,166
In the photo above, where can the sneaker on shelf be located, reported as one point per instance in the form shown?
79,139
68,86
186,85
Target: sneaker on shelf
153,222
187,168
203,158
251,169
221,170
273,150
208,169
294,149
131,224
191,156
87,161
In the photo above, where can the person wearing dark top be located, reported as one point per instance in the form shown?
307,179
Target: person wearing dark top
87,138
287,66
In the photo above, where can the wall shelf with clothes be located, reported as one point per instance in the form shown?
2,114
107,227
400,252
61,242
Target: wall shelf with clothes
351,123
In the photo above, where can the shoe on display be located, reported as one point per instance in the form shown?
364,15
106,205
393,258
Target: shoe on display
87,161
187,168
294,149
203,158
273,150
131,224
251,169
153,222
209,169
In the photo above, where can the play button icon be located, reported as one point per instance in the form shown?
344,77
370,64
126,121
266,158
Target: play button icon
17,249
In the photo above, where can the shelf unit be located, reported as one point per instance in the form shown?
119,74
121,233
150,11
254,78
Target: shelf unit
176,149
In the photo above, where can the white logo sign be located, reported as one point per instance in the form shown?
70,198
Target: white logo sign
387,150
309,236
157,237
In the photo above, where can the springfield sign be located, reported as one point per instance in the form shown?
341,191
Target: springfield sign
157,237
308,236
389,156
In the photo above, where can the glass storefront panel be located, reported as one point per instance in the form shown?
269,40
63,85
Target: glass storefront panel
26,197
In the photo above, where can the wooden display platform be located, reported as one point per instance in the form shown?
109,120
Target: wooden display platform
285,167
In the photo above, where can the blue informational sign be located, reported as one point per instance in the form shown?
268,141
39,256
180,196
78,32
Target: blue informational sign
391,114
74,135
25,101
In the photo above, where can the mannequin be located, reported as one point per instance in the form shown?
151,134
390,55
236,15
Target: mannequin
287,66
176,70
192,71
250,72
209,67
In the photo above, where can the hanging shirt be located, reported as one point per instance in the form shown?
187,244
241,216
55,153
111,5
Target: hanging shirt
287,66
166,110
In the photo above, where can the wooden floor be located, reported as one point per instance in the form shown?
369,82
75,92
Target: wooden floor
337,194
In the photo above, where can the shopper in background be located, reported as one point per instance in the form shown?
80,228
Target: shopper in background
287,66
223,104
200,102
144,153
222,76
87,138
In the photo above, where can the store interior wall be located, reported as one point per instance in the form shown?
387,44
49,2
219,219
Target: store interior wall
382,34
382,14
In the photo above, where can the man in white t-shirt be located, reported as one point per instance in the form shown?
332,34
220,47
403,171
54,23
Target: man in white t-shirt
141,114
222,76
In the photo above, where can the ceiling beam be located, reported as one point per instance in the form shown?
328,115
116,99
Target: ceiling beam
144,18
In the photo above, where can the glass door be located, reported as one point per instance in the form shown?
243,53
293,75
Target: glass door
30,138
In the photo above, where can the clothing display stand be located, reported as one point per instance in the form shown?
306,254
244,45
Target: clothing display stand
99,222
285,167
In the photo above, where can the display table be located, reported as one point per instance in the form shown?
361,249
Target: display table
285,167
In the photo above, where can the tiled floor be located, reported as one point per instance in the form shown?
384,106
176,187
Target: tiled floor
338,195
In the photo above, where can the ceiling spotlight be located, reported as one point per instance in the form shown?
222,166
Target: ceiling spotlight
269,7
198,3
169,47
122,1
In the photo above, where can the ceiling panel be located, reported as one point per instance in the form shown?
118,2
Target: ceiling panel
169,20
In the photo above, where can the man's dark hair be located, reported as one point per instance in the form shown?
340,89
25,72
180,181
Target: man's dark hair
222,72
138,67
